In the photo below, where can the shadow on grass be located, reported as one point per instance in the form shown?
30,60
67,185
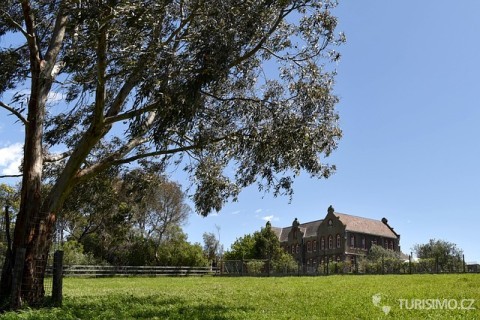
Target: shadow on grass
148,307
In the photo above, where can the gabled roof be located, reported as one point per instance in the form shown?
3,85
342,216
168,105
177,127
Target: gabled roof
365,225
309,229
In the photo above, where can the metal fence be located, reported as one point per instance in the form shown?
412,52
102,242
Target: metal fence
269,268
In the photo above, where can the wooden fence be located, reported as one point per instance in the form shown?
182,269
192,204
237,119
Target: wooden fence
131,271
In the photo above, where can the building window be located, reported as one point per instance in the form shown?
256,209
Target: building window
297,248
338,241
330,222
309,246
352,241
391,245
322,243
293,248
314,249
364,243
330,242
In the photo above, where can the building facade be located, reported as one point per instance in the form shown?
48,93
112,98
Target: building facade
338,237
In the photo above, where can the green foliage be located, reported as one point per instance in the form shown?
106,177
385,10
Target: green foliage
263,244
377,253
333,297
285,264
211,246
186,78
241,248
439,256
73,254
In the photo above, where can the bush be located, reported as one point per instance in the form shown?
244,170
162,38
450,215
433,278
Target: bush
73,253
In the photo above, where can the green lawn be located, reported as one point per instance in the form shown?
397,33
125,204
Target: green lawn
335,297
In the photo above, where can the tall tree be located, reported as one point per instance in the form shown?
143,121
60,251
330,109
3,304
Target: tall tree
263,244
171,80
441,254
211,246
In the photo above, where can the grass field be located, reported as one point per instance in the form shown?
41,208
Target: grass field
454,296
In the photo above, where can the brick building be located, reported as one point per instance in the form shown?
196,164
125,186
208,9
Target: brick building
337,237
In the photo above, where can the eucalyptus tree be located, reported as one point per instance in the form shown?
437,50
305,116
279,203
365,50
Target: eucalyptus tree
217,84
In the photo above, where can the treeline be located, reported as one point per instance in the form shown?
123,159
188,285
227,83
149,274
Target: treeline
131,217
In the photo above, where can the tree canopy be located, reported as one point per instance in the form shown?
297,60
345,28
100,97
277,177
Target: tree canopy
236,93
440,255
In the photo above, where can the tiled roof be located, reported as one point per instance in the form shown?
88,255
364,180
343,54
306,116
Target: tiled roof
365,225
309,229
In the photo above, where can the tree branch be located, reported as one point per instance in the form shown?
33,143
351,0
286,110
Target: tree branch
56,157
130,114
14,112
259,45
11,176
14,23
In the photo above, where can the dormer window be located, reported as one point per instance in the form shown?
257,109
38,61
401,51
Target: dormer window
330,222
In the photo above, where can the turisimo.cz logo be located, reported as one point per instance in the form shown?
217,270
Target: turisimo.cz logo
377,302
437,304
425,304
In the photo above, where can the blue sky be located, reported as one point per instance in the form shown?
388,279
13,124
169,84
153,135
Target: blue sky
409,87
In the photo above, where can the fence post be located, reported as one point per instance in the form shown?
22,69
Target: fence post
57,278
410,263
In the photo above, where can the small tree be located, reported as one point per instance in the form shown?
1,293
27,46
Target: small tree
211,246
440,255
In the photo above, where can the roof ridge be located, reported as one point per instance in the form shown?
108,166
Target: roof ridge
355,216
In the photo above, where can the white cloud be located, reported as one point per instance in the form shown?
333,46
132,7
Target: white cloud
258,210
270,218
10,158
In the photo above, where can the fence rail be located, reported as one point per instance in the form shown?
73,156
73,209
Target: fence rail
130,271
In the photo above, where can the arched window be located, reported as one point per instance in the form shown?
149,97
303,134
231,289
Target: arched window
309,246
314,246
339,242
364,243
330,242
293,248
352,241
322,243
391,245
297,249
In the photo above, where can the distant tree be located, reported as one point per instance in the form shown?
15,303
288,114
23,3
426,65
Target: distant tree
263,244
267,244
241,248
377,253
440,255
211,246
177,251
168,80
124,213
9,205
381,260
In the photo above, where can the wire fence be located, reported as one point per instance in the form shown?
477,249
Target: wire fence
387,266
